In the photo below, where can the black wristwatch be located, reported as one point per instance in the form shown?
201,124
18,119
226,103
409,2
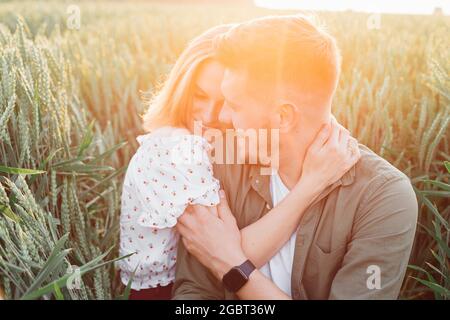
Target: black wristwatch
235,279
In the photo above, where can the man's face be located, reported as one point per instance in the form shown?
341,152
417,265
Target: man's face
245,106
248,108
285,112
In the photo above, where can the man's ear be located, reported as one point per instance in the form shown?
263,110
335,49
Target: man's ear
288,116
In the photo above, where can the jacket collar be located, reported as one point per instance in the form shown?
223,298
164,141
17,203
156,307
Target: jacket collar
345,180
261,183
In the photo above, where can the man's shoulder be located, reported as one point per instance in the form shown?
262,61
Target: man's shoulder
379,183
373,168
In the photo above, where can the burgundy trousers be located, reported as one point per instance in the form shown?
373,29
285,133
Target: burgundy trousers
158,293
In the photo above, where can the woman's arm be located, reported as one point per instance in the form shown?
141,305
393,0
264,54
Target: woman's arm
258,287
281,222
277,225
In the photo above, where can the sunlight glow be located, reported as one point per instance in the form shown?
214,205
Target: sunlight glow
378,6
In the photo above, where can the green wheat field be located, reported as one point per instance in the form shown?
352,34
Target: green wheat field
70,101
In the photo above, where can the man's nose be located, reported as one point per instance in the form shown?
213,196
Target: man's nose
211,115
208,115
225,115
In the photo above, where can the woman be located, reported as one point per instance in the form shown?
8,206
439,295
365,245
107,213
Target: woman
161,181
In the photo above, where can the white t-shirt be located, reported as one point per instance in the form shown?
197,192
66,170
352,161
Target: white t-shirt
169,171
279,267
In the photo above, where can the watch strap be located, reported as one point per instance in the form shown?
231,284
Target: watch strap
247,268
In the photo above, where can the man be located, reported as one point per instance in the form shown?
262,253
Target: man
353,242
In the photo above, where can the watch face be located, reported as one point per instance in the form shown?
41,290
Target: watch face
234,279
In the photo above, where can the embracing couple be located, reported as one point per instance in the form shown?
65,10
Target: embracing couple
333,220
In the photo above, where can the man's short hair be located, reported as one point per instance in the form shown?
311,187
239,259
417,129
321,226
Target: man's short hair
293,49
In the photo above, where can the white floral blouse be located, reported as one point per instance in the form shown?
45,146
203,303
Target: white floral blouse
169,171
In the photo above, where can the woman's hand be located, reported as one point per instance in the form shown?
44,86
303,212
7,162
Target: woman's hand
329,157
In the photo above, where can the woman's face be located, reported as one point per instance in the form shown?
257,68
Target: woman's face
208,100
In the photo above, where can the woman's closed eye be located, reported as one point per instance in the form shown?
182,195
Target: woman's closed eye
201,96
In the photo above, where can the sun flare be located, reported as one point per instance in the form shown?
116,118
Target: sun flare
382,6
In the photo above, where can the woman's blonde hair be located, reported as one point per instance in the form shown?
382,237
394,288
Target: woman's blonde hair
172,105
